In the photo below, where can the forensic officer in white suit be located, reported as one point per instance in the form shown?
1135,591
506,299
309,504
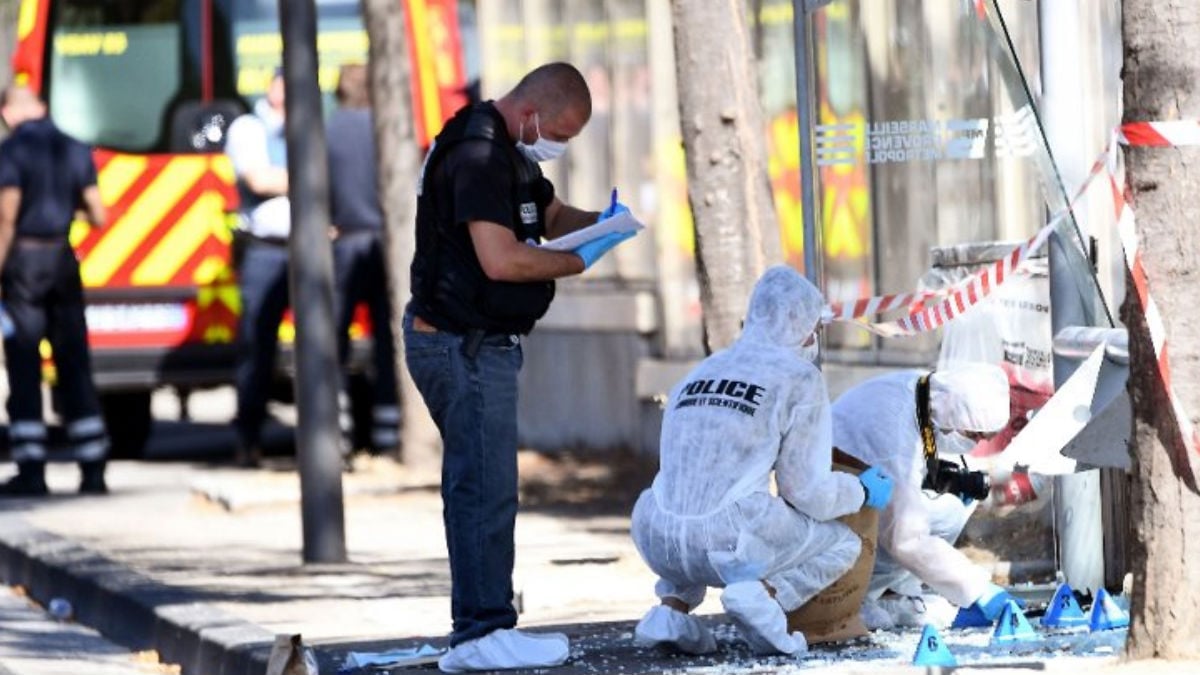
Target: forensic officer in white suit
710,519
913,425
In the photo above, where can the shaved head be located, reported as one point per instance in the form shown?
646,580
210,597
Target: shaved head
555,88
19,104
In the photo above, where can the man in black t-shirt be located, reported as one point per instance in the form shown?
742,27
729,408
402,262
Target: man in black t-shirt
44,177
478,284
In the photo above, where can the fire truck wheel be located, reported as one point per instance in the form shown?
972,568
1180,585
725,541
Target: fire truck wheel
127,416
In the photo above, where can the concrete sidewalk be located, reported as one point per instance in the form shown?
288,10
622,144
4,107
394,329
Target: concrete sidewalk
202,564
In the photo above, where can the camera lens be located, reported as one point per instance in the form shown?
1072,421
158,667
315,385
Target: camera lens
945,477
976,485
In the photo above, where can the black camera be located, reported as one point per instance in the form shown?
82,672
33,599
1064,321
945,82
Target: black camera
946,477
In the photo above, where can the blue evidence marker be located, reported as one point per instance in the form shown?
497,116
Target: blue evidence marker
932,651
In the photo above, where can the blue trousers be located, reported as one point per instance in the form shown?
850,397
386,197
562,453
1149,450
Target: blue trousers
474,403
263,283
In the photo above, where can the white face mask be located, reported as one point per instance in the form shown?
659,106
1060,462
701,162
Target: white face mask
811,352
543,149
810,349
953,443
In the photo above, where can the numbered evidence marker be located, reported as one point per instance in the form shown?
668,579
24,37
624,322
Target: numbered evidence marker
1012,626
970,617
931,651
1106,614
1064,610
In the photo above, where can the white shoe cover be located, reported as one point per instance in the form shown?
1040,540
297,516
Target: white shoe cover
875,617
663,625
938,610
760,619
913,611
905,611
507,648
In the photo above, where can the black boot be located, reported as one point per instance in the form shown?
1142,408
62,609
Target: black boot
91,478
30,481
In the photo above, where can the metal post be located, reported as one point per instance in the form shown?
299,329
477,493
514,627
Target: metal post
1077,509
804,115
1076,496
311,284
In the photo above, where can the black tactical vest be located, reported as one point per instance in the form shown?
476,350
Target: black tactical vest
449,287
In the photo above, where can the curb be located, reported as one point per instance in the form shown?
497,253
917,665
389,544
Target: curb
131,608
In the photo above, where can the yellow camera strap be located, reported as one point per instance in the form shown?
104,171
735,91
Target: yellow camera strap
924,419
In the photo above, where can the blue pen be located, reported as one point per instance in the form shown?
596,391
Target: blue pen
613,208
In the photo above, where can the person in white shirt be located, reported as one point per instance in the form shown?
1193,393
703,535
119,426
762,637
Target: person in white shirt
257,148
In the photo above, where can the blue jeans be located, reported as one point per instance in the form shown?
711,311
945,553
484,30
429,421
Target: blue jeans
263,283
474,403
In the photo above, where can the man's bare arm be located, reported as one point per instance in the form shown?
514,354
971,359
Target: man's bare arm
93,206
268,181
10,205
563,219
503,258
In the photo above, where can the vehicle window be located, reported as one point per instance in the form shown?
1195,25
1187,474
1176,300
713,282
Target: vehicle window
341,38
115,66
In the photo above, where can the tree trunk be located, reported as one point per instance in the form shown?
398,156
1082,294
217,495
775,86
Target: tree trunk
737,234
1162,82
399,163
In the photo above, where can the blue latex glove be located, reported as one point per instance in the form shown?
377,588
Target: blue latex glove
993,601
612,210
591,251
877,486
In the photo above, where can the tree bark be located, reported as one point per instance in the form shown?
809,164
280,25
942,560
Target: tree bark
737,234
1162,82
399,164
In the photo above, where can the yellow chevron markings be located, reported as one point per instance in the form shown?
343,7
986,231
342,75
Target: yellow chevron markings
143,215
186,235
116,176
114,179
210,270
221,166
79,231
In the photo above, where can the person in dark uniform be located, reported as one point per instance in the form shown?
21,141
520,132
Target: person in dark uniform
358,255
477,285
257,149
45,176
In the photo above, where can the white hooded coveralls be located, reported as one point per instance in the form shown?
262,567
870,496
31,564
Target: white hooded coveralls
876,422
709,519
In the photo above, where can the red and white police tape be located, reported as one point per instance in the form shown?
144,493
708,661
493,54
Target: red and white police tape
1161,134
965,294
1154,134
958,299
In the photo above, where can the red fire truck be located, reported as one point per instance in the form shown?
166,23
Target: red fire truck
152,85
